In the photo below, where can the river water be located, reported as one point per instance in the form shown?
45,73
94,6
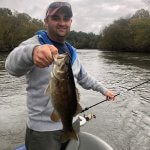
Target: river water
124,123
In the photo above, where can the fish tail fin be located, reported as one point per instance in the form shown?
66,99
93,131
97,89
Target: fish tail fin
68,135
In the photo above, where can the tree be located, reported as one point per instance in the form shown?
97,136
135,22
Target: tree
131,34
15,28
141,14
83,40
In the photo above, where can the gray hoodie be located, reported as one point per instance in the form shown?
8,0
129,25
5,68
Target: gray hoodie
19,62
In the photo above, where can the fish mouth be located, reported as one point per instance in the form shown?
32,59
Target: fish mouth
60,66
62,56
65,58
59,56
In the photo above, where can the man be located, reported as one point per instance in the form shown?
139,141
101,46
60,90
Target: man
33,59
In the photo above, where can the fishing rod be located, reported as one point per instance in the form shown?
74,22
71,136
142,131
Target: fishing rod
87,108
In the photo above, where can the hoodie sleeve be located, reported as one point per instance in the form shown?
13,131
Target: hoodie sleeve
86,80
19,61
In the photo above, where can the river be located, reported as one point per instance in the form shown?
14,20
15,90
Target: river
123,123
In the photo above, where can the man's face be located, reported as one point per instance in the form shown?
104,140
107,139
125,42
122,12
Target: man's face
58,25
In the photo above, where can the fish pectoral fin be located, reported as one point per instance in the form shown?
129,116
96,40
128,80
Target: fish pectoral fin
79,109
47,90
68,136
55,116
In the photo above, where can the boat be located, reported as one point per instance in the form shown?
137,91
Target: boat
86,141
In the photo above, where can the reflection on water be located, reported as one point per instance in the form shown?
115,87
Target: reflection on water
124,123
141,60
2,59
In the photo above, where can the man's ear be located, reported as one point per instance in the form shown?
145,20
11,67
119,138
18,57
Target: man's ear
46,23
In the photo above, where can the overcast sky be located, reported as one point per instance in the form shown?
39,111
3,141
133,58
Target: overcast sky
89,15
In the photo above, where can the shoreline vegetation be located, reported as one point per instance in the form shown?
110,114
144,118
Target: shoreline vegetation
130,34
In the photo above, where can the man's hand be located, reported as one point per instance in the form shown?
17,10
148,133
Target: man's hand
110,95
43,55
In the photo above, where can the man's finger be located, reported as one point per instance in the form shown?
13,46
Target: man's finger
53,50
49,57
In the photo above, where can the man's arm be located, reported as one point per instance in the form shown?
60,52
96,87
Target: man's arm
19,61
28,54
89,82
86,80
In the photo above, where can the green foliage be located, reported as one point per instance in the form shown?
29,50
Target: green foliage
14,28
140,29
83,40
130,34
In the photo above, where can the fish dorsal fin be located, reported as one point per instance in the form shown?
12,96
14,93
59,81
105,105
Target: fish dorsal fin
79,109
55,116
77,95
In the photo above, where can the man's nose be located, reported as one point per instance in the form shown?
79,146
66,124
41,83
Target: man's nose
62,21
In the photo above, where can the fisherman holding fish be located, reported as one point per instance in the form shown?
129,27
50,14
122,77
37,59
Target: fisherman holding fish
50,65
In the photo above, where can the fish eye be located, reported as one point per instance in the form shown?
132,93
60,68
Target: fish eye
67,62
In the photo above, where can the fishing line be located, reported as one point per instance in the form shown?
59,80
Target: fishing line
86,108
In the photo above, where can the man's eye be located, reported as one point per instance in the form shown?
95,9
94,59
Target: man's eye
66,18
55,18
